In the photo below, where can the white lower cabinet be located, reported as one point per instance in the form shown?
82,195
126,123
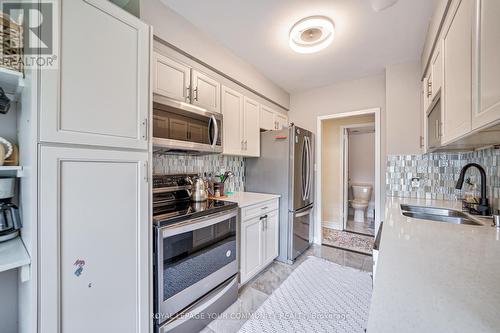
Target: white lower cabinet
94,232
259,239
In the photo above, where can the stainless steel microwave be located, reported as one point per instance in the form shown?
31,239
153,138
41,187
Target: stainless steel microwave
182,127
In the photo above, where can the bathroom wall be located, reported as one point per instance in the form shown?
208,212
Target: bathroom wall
203,164
439,172
332,205
362,160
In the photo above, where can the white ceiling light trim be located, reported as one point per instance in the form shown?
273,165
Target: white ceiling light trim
312,34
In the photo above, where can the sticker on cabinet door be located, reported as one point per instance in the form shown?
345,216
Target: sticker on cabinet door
79,263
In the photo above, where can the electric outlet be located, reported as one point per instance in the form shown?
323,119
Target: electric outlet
415,182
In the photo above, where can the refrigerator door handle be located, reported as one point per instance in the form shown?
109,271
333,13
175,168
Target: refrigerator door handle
304,175
308,168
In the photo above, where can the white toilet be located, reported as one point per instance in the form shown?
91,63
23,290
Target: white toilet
362,195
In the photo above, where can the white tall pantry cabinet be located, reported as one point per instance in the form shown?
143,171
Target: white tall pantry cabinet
93,191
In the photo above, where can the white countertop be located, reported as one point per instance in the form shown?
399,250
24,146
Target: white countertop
435,276
244,199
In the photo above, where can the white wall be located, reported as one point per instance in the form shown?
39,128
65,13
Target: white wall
362,160
179,32
404,115
365,93
346,96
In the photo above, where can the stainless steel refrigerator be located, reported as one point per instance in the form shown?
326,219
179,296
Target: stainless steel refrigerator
285,167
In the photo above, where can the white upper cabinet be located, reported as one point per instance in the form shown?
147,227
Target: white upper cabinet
267,118
100,93
427,93
281,121
272,120
171,78
251,130
436,71
205,91
232,110
93,242
241,134
457,52
487,64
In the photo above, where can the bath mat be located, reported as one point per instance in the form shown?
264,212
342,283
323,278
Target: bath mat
319,296
348,240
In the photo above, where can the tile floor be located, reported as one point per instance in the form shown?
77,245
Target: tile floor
256,291
367,227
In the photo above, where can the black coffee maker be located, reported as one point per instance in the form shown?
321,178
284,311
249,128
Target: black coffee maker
10,221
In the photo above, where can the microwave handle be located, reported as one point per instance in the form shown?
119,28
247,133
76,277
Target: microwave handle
216,135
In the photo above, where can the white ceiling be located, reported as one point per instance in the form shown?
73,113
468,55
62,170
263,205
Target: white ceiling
365,41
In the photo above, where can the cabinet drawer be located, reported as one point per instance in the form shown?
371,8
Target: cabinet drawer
262,208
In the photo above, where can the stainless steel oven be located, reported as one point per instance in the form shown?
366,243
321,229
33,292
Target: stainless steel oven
182,127
195,269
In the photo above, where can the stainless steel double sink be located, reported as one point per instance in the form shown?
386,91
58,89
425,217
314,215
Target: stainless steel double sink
437,214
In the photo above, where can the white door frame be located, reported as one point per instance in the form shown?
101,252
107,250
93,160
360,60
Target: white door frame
343,165
318,198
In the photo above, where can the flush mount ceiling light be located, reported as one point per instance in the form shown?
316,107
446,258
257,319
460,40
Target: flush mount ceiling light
311,34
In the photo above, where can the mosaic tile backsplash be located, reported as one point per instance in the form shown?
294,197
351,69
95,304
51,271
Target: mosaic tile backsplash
203,164
439,172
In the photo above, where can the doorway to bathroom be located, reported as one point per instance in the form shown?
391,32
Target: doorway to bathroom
358,178
348,174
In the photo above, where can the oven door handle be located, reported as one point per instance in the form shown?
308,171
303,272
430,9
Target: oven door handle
198,223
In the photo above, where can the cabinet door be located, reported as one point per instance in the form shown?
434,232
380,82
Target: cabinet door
437,71
251,248
457,49
267,118
281,121
232,110
100,93
206,92
270,237
251,130
94,235
487,64
426,94
171,78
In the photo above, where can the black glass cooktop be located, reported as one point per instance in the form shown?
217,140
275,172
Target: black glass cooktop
168,213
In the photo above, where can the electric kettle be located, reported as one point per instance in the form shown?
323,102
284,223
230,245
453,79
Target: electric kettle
198,190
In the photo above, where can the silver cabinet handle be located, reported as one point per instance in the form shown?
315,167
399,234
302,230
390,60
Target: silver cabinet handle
188,94
246,145
145,125
429,88
196,94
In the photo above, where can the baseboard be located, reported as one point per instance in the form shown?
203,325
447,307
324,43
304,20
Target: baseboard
331,225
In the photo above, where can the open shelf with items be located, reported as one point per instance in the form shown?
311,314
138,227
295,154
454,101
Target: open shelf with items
13,255
11,171
12,82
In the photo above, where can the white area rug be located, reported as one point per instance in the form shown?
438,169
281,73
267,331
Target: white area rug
319,296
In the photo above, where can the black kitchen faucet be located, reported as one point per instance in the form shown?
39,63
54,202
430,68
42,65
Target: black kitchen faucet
482,208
